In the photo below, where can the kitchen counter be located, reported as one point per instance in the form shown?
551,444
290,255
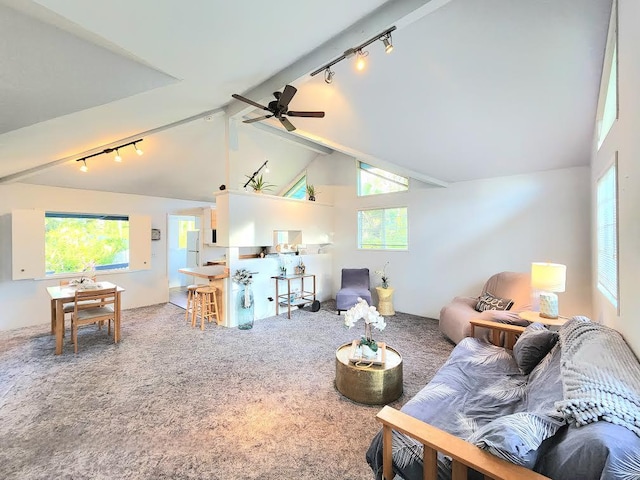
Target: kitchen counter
211,272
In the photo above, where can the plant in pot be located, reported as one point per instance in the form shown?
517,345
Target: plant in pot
258,184
311,193
372,319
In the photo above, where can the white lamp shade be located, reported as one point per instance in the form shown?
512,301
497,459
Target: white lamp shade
549,277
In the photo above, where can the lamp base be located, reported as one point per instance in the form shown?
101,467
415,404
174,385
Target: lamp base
548,305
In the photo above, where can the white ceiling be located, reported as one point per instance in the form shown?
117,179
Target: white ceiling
473,89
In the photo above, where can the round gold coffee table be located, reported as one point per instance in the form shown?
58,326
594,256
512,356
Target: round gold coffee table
369,384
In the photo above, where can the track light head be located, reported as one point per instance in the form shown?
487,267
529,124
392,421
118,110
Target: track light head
117,158
84,167
138,151
360,61
386,40
328,75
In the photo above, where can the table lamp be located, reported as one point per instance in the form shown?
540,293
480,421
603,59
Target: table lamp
548,278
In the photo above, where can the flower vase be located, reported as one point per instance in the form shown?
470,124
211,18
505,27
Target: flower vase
245,308
367,352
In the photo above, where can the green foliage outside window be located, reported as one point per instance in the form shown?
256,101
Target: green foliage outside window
384,228
81,243
374,181
184,226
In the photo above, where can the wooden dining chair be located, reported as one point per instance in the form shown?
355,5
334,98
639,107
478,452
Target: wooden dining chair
67,308
93,306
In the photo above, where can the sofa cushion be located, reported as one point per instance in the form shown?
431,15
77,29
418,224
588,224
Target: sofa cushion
533,345
488,301
516,437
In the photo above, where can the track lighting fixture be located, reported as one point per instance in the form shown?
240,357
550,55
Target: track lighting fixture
386,40
360,62
328,75
256,173
117,158
385,37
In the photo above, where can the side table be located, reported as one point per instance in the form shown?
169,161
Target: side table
385,300
531,316
371,385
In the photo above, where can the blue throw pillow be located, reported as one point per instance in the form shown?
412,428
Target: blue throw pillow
516,437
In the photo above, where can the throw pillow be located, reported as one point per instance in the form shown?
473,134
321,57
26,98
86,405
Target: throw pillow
488,301
532,346
516,437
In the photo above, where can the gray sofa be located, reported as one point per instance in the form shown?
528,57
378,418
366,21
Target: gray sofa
569,417
455,316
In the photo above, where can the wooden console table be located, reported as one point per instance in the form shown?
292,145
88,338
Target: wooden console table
286,299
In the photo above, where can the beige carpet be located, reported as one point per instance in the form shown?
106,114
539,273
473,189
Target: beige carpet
172,402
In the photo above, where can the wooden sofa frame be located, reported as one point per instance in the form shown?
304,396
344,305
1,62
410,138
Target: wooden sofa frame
464,455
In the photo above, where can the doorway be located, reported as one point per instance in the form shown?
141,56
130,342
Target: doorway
178,243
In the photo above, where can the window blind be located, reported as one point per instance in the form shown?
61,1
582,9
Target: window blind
607,235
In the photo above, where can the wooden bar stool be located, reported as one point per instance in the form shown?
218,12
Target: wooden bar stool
206,305
191,302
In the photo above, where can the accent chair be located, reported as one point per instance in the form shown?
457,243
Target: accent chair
355,283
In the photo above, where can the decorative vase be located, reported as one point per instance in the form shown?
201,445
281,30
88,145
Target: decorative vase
312,198
245,308
385,300
367,352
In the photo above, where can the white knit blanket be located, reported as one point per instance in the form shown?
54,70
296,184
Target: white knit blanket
600,374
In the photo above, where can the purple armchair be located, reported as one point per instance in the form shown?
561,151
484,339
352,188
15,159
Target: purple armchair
355,283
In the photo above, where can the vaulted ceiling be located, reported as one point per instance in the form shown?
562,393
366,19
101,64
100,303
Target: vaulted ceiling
473,88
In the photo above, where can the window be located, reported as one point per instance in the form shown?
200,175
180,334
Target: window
78,242
607,235
299,189
373,181
383,228
184,226
608,104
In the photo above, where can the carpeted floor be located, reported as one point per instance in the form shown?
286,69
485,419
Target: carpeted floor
172,402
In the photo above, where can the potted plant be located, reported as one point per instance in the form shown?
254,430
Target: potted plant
311,193
372,318
259,184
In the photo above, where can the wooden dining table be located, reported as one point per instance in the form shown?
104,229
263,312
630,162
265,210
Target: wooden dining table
67,293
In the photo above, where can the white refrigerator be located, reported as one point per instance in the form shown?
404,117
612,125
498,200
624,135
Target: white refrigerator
193,248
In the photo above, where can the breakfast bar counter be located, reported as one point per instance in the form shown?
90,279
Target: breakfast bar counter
217,275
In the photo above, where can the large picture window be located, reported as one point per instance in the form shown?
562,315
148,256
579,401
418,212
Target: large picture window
383,228
373,181
607,235
78,243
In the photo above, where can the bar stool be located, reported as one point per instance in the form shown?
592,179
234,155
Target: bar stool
206,305
191,302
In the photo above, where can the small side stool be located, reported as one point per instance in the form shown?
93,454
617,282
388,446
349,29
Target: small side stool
206,305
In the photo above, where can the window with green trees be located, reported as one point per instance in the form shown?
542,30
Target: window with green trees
79,243
373,180
383,228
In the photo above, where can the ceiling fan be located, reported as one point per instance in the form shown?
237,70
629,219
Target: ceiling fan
279,107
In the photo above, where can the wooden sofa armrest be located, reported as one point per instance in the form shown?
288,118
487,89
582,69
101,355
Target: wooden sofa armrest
463,454
496,328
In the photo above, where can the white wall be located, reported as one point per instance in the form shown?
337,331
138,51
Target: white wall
462,234
26,301
624,139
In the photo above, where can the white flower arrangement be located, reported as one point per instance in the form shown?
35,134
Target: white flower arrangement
372,319
242,277
383,276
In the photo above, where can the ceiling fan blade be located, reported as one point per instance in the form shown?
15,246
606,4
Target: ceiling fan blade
286,96
251,120
306,114
250,102
287,124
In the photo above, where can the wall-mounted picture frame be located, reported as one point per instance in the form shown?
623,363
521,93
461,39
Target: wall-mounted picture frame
155,234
